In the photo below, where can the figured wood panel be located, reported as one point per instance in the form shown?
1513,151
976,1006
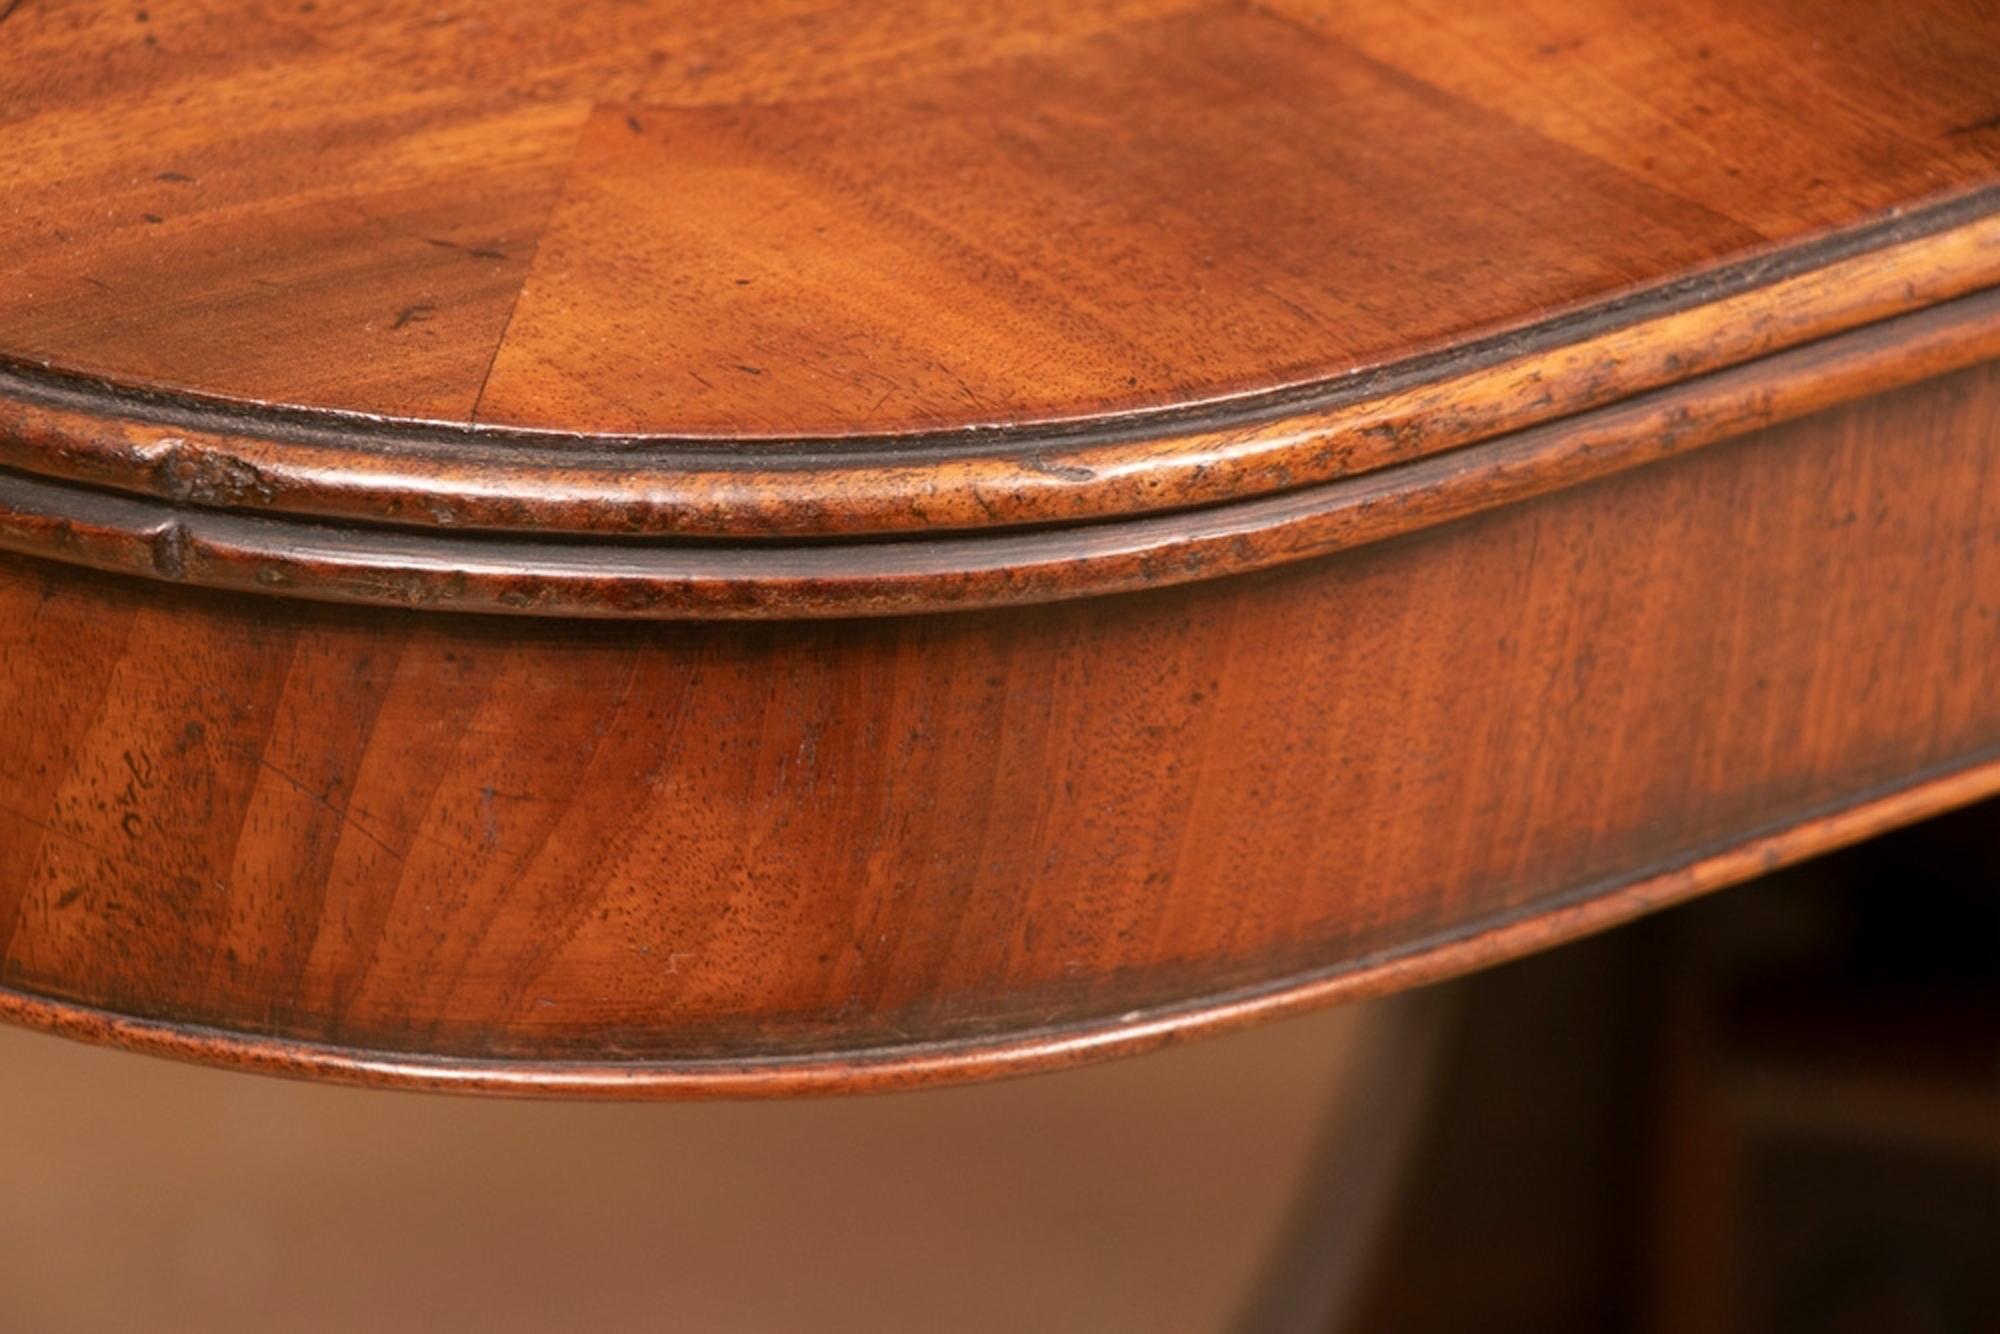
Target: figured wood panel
884,218
1770,112
1198,207
336,204
743,857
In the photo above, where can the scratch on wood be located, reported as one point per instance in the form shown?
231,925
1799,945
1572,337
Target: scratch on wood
1991,122
476,252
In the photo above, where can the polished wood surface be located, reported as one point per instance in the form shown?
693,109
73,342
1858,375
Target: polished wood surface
194,540
757,857
901,268
790,219
1412,484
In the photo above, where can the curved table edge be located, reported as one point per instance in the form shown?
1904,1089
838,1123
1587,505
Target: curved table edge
199,454
1574,914
716,581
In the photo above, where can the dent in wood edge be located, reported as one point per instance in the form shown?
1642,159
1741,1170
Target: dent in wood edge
580,577
170,550
1564,917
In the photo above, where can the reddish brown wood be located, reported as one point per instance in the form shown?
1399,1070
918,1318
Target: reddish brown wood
749,580
1415,483
692,216
797,855
1186,253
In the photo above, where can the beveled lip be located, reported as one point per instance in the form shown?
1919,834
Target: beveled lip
615,576
199,454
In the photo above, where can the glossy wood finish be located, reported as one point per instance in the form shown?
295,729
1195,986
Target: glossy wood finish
786,219
521,575
1187,253
719,858
1416,483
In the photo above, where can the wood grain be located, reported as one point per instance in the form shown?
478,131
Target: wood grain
199,456
713,580
1416,482
580,278
630,858
1769,114
336,204
451,216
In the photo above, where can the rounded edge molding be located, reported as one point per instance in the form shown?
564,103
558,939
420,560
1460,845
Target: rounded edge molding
198,454
558,574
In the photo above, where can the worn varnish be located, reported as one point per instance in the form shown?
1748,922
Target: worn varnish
703,548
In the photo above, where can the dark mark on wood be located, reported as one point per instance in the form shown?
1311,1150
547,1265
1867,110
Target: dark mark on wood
170,550
1067,471
198,477
477,252
1991,122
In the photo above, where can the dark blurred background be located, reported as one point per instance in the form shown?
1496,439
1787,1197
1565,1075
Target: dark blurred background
1775,1110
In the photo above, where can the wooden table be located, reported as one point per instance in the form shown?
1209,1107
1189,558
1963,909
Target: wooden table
700,548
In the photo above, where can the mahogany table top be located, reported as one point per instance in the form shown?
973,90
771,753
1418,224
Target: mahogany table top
684,547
